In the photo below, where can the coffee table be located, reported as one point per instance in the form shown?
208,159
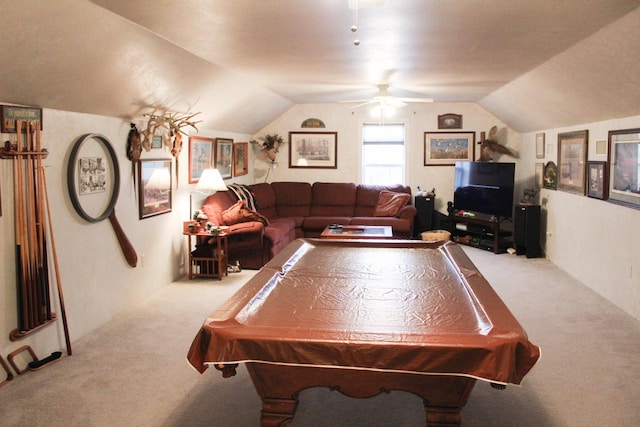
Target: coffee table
357,232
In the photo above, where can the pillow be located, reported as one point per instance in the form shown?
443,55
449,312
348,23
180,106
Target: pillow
389,203
239,213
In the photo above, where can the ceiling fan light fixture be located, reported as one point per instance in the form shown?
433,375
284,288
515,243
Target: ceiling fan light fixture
383,108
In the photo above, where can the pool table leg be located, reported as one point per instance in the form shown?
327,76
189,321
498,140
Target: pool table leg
445,399
279,397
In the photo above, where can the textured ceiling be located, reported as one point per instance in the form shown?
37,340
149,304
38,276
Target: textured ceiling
243,62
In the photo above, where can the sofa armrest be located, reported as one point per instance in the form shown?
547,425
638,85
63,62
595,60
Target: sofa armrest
407,212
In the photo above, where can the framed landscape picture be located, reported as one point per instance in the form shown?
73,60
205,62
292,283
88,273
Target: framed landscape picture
200,156
624,167
224,157
154,183
317,150
572,161
447,148
240,158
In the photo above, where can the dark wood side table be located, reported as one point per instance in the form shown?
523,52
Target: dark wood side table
212,266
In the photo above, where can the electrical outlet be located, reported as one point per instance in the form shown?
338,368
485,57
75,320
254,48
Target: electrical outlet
141,260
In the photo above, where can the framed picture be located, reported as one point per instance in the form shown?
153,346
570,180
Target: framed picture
200,156
624,167
9,115
224,157
156,141
92,175
318,150
154,181
450,121
539,175
447,148
572,161
540,146
550,177
597,180
240,158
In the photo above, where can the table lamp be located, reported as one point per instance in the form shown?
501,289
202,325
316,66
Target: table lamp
210,181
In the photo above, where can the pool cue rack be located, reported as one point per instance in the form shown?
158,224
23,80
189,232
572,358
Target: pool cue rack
30,212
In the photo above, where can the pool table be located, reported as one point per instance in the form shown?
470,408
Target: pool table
365,317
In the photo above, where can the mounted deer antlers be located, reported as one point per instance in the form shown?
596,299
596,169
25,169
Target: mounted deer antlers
172,124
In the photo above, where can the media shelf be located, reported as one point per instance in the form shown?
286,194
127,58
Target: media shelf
480,230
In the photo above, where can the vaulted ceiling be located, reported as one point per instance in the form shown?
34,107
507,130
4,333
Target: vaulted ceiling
241,63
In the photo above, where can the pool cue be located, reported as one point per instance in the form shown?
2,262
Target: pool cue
24,240
23,318
40,283
52,242
30,223
43,224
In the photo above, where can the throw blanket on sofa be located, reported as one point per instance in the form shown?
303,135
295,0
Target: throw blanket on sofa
242,192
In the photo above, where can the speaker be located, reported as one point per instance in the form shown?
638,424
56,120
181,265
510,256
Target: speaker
526,230
424,217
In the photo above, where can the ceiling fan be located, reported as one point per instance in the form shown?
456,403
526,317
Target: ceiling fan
385,98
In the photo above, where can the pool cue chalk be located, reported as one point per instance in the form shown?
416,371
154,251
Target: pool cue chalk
39,364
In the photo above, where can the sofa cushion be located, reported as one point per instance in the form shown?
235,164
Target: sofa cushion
264,198
389,203
333,199
238,212
293,199
280,232
367,196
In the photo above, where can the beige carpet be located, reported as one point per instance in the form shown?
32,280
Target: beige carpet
133,371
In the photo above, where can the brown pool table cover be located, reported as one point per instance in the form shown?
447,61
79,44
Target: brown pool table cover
395,305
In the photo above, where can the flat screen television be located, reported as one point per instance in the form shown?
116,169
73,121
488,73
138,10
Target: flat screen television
484,187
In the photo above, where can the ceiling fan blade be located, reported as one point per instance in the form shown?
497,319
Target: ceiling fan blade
351,101
364,103
395,102
413,100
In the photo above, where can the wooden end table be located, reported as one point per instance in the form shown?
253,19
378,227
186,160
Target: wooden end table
213,266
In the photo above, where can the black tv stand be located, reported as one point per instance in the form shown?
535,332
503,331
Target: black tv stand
479,230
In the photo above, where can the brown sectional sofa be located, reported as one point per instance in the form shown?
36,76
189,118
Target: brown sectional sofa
300,209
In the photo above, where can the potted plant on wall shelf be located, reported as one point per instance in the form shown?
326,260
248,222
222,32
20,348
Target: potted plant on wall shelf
269,145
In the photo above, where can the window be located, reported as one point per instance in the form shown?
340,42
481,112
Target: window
383,154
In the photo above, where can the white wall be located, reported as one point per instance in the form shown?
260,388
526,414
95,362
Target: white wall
97,282
593,240
341,118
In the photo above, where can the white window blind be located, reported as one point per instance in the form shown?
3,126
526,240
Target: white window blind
383,159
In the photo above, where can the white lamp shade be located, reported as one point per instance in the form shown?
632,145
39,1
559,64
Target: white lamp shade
211,181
